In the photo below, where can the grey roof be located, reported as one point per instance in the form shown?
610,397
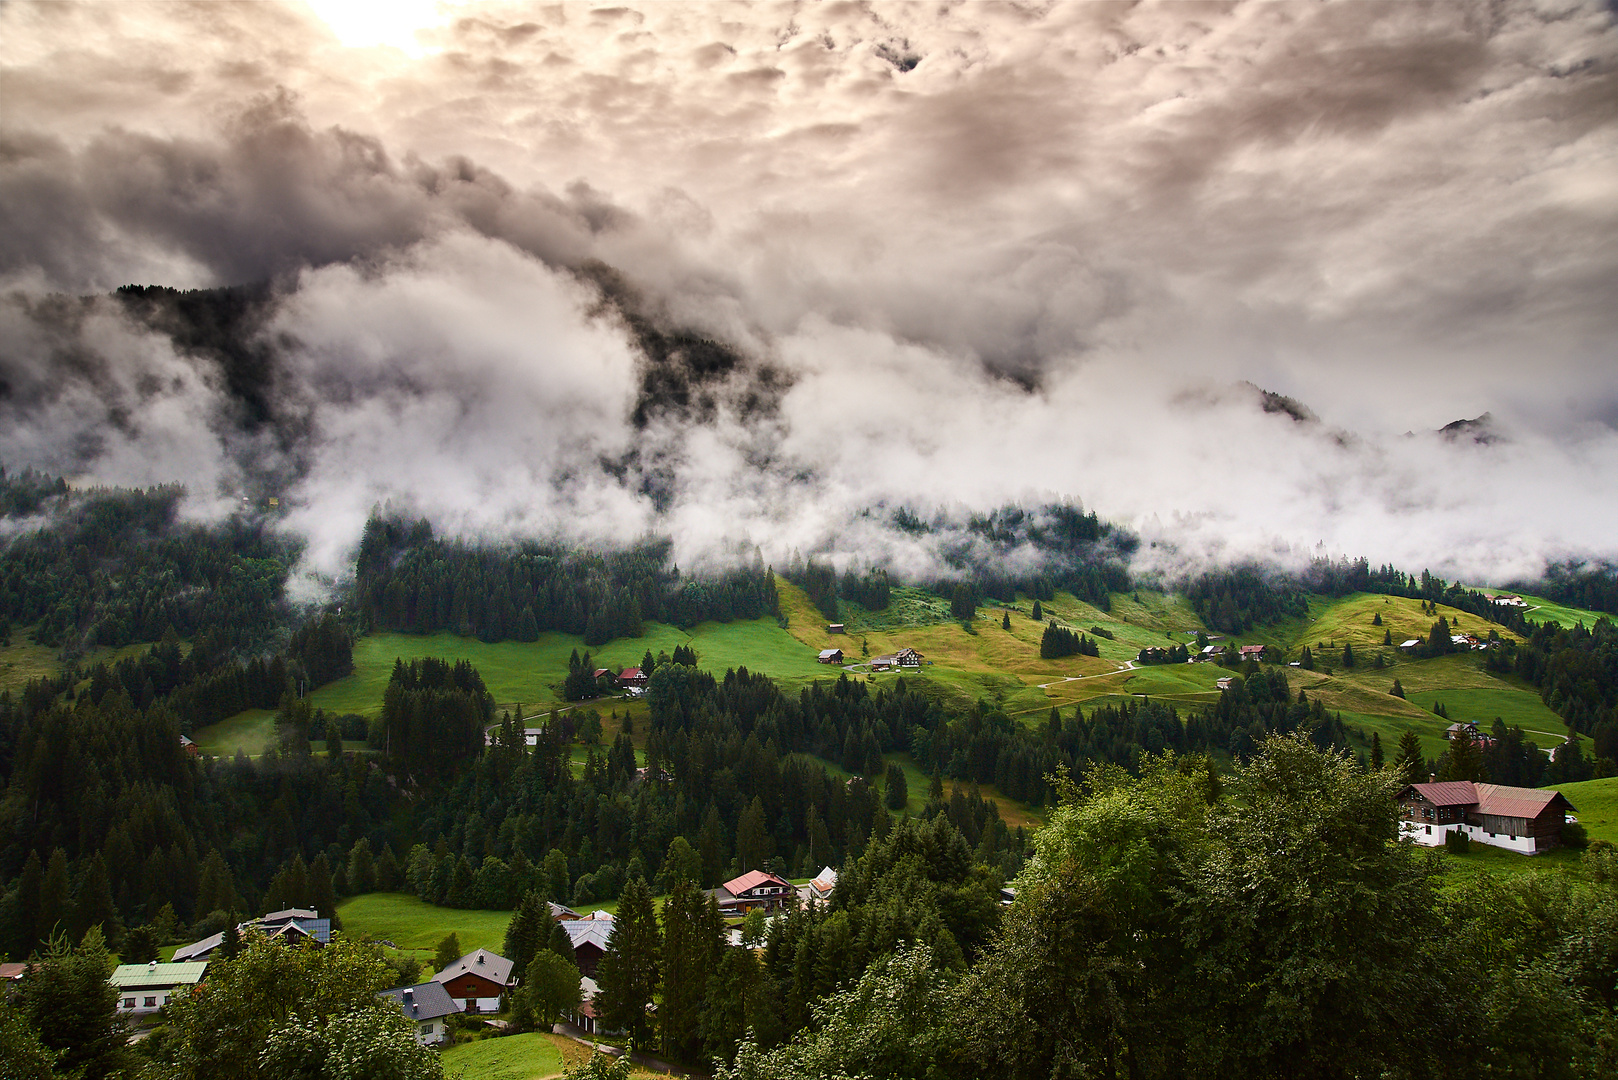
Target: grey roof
491,966
279,924
558,910
589,932
199,950
286,914
424,1001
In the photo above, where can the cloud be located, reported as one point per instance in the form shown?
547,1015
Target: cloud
955,255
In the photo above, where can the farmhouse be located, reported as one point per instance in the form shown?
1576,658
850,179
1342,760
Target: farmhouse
632,677
1469,730
1225,683
146,988
427,1004
830,656
907,658
820,889
835,628
1252,652
288,925
589,936
477,980
188,746
754,889
1524,820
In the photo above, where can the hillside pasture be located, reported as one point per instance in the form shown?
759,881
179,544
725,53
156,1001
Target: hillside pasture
1596,806
512,1057
1347,621
1543,610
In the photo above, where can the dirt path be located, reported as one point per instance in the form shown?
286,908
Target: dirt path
1128,665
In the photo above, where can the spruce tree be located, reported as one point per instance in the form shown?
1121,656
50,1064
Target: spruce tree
1376,751
53,914
1005,621
1410,762
628,971
753,844
692,944
1039,612
525,933
1398,691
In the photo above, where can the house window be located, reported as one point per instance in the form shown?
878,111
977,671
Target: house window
1429,829
129,1003
151,1003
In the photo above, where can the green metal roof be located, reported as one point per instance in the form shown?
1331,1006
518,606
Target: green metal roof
157,976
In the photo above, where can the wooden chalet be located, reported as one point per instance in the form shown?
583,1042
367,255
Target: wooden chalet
632,677
589,935
1524,820
477,980
428,1006
756,889
830,656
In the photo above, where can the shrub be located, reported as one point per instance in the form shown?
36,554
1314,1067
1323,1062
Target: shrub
1457,842
1574,836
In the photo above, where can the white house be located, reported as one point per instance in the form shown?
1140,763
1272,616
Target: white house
429,1006
146,988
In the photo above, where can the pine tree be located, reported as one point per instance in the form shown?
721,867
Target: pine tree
1005,620
896,790
93,907
1410,762
54,915
1376,751
1039,612
1348,655
1376,620
449,951
1398,691
753,844
525,933
1387,637
628,971
692,944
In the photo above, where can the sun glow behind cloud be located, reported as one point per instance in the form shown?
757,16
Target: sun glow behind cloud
361,24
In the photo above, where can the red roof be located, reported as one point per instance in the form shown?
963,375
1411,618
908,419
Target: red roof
1516,801
1251,649
752,880
1448,793
1496,799
630,673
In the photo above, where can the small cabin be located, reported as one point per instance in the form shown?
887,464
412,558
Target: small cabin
830,656
835,628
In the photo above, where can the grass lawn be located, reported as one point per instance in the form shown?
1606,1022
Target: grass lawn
1481,705
1597,806
1542,610
410,923
1483,859
250,732
23,661
513,1057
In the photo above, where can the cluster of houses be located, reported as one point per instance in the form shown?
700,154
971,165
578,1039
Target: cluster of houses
902,658
1465,642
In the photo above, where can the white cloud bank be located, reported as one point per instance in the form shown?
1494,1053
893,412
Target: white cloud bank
988,253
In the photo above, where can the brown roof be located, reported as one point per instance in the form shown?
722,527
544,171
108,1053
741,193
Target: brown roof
1447,793
1494,799
752,880
1517,801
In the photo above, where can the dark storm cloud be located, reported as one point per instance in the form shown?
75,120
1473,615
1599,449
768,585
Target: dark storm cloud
986,252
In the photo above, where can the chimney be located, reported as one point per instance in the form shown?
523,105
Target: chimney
151,965
1432,778
410,993
480,956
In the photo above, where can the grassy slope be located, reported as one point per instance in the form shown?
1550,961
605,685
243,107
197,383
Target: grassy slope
1596,803
413,924
515,1057
523,672
23,661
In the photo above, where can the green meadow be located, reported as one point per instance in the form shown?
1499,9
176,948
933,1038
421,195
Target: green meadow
1596,803
513,1057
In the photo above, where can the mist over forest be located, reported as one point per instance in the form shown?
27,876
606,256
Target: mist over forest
1267,283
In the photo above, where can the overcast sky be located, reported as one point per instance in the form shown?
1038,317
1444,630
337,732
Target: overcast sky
990,253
